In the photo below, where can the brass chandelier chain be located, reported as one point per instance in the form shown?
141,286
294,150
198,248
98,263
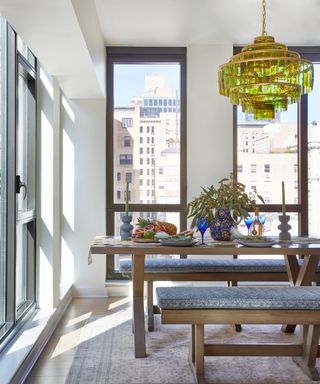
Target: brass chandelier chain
264,15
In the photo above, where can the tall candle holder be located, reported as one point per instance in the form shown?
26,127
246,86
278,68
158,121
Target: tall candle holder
284,227
126,228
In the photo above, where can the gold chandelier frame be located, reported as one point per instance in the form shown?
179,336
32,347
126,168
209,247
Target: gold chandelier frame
265,76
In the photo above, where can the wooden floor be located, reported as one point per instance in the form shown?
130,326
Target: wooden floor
55,361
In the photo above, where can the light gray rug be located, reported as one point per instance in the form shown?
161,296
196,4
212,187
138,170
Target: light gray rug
105,355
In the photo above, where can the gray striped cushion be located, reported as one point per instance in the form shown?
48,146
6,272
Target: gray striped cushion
239,298
207,265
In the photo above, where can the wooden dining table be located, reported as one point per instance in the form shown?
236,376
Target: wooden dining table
298,274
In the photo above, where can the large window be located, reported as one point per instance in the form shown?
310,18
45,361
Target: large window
284,149
17,180
314,153
3,177
144,139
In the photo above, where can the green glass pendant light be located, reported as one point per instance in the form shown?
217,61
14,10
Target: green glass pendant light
265,76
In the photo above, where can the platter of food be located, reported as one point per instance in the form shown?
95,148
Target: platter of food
178,241
142,240
257,241
151,231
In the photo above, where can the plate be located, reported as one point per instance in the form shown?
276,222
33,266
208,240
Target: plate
257,243
178,243
138,240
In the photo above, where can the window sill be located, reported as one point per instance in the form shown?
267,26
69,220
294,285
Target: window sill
19,356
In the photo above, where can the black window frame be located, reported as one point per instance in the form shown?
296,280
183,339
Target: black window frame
23,64
130,55
311,53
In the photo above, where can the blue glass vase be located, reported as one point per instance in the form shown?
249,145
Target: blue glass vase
221,227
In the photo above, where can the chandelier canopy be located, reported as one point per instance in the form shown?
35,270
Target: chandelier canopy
265,76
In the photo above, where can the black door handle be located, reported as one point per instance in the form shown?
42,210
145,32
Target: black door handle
19,185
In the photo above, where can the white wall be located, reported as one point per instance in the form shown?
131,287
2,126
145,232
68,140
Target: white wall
71,209
82,177
209,119
84,210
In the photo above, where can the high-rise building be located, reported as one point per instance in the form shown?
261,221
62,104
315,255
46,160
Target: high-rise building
147,146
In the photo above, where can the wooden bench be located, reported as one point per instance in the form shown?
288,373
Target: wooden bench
232,271
246,305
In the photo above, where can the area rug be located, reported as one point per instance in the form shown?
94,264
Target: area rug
105,355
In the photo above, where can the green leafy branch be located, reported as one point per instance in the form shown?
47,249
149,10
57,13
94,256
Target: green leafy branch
230,194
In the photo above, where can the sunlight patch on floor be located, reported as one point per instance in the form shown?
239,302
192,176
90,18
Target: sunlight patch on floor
94,328
79,319
118,303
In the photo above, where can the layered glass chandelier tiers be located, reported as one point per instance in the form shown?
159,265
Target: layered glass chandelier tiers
265,76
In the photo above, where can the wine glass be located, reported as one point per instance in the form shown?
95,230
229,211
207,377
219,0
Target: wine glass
202,224
262,219
248,221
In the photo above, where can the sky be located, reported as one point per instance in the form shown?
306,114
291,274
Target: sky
129,82
129,79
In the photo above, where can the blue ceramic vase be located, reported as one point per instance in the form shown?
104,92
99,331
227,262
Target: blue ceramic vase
220,228
126,228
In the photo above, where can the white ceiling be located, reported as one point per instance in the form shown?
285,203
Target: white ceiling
185,22
53,30
66,36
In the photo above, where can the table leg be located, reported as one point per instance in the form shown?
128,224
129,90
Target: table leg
300,277
292,266
138,310
308,270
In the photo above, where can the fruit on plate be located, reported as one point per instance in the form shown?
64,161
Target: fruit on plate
148,235
179,238
158,226
188,232
138,233
255,238
161,235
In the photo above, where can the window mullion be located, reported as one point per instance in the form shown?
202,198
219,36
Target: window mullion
11,193
303,164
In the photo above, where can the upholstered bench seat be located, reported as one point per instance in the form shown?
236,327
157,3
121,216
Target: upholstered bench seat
199,269
306,298
207,265
199,306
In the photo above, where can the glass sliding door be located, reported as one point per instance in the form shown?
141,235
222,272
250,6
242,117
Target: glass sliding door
25,185
17,182
3,178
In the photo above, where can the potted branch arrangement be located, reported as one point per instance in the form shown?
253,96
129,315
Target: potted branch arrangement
224,206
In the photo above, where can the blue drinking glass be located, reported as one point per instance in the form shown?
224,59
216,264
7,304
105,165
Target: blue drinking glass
248,221
202,224
262,219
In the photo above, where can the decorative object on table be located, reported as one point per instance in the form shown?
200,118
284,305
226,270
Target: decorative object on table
178,241
126,228
265,77
256,229
224,207
257,241
248,221
221,227
284,227
202,225
143,241
262,219
150,229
